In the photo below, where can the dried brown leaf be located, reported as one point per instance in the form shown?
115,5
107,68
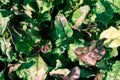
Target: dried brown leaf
45,48
87,59
74,74
80,50
95,51
98,76
13,67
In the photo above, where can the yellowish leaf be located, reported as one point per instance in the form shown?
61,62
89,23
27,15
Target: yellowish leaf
115,43
115,34
108,33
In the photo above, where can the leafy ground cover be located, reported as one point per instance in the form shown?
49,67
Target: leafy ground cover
59,39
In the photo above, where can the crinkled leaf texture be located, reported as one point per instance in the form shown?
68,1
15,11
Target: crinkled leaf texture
114,74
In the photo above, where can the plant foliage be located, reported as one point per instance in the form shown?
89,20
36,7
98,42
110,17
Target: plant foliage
59,39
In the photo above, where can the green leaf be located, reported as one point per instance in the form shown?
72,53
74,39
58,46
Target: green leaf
76,15
33,34
115,4
57,56
93,17
114,74
20,44
2,75
79,15
64,23
104,64
30,5
63,30
43,6
74,3
59,29
5,1
100,7
59,50
114,52
103,8
46,17
58,64
71,53
29,28
33,69
85,73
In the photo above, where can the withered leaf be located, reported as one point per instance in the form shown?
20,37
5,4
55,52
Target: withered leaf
89,55
45,48
87,59
74,74
97,54
80,50
99,76
13,67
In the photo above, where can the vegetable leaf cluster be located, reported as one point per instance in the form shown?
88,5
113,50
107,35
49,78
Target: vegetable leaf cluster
59,39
